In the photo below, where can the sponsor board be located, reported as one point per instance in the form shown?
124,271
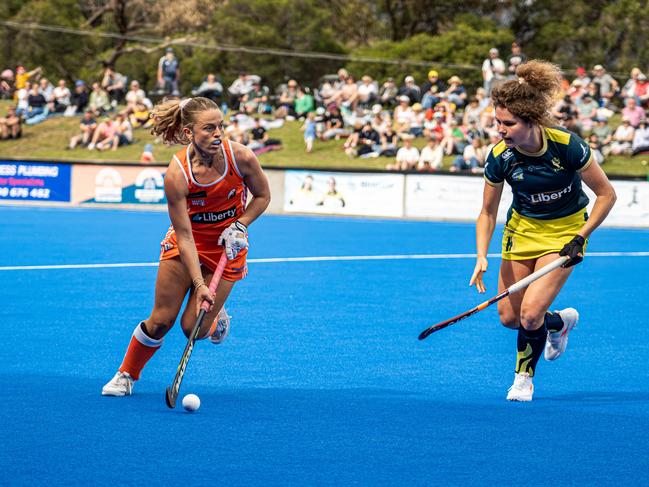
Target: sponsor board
632,206
449,197
344,193
117,185
34,181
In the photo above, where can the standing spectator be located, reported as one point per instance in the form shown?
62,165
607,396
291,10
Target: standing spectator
79,98
62,97
632,111
10,127
210,88
169,73
493,70
114,84
98,101
87,128
309,131
640,143
431,90
410,89
515,59
407,156
388,93
606,85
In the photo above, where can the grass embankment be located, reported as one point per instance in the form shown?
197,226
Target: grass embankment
49,140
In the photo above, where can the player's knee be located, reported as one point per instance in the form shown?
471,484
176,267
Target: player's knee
157,328
508,319
530,318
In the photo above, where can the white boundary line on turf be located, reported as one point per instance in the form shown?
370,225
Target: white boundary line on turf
274,260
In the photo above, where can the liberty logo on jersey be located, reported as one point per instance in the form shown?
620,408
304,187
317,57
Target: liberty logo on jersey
214,217
549,196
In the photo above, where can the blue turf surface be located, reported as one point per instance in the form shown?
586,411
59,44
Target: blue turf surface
322,380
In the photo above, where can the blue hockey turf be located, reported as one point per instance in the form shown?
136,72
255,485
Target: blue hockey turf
322,380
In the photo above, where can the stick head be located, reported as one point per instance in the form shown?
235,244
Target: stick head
170,398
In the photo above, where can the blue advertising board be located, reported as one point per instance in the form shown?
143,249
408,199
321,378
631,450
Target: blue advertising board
34,181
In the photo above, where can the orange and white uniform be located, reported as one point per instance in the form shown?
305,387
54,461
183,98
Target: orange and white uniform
212,207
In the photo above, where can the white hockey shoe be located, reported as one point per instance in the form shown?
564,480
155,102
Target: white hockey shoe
120,385
222,327
557,341
522,389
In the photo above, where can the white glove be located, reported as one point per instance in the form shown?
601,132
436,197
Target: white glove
234,239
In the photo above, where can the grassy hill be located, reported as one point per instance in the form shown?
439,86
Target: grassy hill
49,140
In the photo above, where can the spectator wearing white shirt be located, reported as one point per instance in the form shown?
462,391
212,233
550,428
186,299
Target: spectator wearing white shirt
431,156
407,156
61,95
641,139
367,93
622,138
493,69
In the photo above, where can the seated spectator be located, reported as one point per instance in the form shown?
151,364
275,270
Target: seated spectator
304,102
407,156
431,90
605,84
140,117
259,139
104,134
6,83
586,112
410,89
37,109
388,93
577,91
134,97
596,148
515,59
389,143
47,90
454,140
632,111
431,157
434,126
334,124
123,134
87,127
10,126
642,91
623,138
456,93
472,158
628,90
114,84
234,131
239,87
570,122
286,101
369,141
352,140
256,100
582,76
640,143
603,132
403,115
210,88
417,121
98,101
472,112
78,99
368,92
347,96
62,97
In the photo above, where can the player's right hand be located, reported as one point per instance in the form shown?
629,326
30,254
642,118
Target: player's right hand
480,268
203,294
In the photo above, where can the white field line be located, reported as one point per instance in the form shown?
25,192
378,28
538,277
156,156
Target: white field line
275,260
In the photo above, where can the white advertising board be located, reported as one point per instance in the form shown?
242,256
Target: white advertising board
344,193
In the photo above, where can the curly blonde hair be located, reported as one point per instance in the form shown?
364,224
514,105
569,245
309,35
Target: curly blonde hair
531,95
171,116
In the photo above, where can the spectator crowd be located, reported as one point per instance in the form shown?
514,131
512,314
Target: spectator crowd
369,118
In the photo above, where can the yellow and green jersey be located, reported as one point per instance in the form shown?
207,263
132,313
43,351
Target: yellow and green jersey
547,184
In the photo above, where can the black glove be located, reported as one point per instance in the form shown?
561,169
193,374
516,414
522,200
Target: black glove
575,250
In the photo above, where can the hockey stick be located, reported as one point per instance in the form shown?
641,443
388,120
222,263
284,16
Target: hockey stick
172,392
517,286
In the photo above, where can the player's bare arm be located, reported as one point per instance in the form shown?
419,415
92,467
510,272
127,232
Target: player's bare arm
596,180
485,226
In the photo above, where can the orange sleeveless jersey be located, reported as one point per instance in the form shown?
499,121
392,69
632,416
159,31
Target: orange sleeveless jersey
212,208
